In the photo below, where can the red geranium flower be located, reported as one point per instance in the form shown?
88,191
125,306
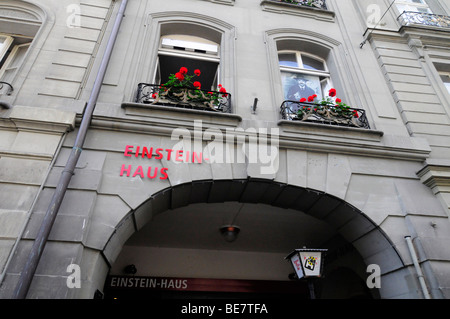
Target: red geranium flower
183,70
338,100
222,89
332,92
302,99
355,114
197,84
310,98
179,76
197,72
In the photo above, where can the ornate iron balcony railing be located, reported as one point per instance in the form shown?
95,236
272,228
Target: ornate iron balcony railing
324,114
5,88
321,4
427,19
184,97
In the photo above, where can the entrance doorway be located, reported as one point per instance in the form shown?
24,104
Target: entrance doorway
181,238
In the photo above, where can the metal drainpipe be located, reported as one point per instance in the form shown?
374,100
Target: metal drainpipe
415,260
41,239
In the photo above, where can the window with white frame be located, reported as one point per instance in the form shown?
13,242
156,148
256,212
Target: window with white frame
191,52
303,75
5,42
12,54
20,22
412,5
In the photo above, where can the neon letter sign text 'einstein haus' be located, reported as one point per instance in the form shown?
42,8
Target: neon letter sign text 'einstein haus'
160,153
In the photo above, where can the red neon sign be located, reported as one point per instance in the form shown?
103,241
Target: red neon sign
156,153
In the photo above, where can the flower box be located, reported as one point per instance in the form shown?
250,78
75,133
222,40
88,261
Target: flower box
329,110
181,91
320,4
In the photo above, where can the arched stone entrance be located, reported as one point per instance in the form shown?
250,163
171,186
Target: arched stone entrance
275,218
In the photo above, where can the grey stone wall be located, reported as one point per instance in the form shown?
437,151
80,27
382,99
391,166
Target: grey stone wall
396,173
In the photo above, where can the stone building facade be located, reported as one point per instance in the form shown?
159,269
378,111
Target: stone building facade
160,173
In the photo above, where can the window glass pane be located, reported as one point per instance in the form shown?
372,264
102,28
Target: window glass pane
189,43
172,64
326,85
5,42
191,52
423,10
413,5
447,85
312,64
413,1
14,60
446,79
288,59
2,42
310,78
405,7
298,86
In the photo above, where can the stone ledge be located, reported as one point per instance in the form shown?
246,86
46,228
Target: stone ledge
42,119
173,117
323,129
226,2
436,175
349,140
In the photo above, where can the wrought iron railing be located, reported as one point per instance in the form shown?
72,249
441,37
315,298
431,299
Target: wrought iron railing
426,19
184,97
6,88
321,4
324,114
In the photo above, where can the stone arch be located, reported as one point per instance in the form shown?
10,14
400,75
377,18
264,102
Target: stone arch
27,18
23,11
359,231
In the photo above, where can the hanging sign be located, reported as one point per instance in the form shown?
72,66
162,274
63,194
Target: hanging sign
202,284
295,260
311,262
307,262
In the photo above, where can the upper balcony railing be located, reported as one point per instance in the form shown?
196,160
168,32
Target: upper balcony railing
184,97
321,4
324,114
424,19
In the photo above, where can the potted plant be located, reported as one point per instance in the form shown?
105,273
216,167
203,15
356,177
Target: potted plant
308,3
329,109
182,88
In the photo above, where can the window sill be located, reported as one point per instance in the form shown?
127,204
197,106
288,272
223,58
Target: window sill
298,10
226,2
173,117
